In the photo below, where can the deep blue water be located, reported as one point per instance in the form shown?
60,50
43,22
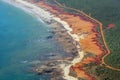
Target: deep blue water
22,40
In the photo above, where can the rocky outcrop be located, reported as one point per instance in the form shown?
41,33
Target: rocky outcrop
51,68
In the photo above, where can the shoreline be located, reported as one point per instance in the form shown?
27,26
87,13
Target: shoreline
46,16
25,8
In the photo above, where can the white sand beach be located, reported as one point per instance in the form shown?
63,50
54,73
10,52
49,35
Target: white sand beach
47,16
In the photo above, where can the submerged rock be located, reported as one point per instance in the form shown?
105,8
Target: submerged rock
48,70
51,68
49,37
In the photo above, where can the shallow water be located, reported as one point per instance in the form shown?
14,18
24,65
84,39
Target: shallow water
22,41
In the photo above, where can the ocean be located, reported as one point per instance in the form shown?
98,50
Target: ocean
23,43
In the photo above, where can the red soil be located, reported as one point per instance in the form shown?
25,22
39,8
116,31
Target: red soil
110,26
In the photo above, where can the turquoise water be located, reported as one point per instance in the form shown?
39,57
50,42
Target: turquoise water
22,40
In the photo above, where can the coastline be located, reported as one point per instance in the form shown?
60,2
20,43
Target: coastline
48,17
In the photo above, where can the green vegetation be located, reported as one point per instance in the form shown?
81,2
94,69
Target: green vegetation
103,73
81,79
106,11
